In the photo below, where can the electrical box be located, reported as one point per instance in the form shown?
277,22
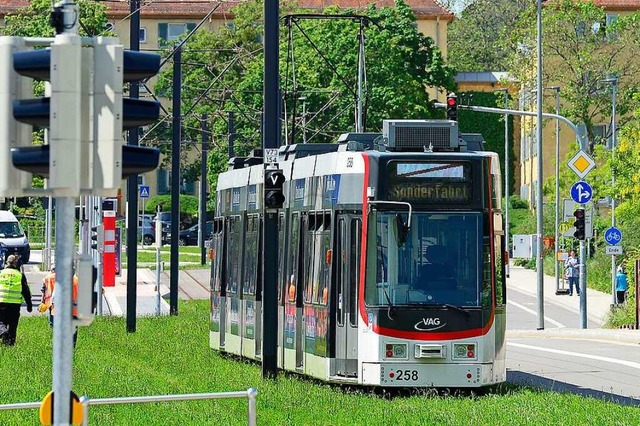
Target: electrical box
524,246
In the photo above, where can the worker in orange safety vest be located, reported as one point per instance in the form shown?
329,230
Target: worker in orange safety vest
48,298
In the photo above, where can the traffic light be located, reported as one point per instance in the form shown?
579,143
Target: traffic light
13,134
452,107
273,189
86,114
97,237
579,224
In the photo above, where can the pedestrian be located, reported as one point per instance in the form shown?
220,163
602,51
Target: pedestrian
48,299
13,289
572,272
622,285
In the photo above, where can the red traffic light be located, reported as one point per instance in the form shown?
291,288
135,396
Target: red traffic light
579,213
451,101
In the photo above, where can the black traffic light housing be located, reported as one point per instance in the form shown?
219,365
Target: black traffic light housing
273,189
97,237
452,107
579,224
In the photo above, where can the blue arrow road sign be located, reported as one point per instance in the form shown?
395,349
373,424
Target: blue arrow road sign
581,192
144,191
613,236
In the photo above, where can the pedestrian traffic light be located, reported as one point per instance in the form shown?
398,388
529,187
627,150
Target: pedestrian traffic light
579,224
452,107
97,237
273,189
13,134
86,114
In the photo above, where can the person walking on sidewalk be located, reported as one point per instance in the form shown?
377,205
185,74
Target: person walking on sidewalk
572,272
622,285
13,288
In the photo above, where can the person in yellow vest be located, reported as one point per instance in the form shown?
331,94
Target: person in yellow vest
48,298
13,288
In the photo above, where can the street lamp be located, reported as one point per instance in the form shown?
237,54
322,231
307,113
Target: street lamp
506,169
614,93
539,223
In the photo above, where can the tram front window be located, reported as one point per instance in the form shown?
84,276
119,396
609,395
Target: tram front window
438,262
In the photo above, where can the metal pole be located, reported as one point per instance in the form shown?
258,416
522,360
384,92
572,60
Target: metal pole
506,173
270,140
614,93
539,222
582,282
99,262
158,260
175,181
49,246
231,132
304,118
132,187
557,236
84,400
202,230
252,394
62,326
360,79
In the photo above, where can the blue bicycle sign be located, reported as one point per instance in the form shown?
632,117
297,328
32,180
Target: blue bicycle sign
613,236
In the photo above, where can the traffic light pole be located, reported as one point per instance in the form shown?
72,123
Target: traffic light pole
270,139
583,285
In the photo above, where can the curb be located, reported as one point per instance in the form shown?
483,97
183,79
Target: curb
612,335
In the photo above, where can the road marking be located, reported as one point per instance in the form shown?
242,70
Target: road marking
631,364
531,311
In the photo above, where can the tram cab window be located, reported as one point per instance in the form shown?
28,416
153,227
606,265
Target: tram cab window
439,261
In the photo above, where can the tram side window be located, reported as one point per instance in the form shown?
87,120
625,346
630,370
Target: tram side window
217,257
281,255
486,272
250,264
318,258
234,243
308,242
324,261
293,256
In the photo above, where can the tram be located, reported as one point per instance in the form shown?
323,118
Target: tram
391,266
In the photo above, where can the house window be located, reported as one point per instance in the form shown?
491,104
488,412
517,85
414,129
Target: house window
143,35
601,135
611,19
170,32
164,181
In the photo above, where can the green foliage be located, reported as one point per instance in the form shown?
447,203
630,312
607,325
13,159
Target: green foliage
580,50
188,204
473,38
518,203
33,21
490,126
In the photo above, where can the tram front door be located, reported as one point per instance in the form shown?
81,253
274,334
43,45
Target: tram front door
348,245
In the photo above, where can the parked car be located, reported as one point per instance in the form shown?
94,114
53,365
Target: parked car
189,236
146,231
13,237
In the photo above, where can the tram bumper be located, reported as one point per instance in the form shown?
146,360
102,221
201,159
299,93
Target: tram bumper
428,375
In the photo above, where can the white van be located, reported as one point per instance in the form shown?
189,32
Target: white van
13,237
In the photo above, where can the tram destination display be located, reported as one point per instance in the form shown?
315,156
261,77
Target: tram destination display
431,182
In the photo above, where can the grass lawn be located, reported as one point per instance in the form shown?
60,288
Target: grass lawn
171,355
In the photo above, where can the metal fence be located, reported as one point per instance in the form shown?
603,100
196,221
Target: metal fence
250,394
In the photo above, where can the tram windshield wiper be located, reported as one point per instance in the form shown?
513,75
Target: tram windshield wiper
389,304
455,308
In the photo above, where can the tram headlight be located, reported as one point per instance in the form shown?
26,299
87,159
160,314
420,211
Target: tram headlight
465,351
395,350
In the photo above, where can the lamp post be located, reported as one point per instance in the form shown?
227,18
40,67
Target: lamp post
506,170
539,223
557,236
614,94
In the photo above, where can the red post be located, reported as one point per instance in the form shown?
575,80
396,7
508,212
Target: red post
109,252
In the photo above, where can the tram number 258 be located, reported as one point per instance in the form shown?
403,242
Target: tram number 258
406,375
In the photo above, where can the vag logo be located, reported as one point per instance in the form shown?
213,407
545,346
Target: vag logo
429,324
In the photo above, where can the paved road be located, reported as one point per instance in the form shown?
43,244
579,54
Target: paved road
595,362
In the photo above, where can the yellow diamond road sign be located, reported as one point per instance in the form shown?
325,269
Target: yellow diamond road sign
581,164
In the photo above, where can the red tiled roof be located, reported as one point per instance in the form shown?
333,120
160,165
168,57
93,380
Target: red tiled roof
618,4
196,9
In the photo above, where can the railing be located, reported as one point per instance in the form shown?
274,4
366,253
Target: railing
250,394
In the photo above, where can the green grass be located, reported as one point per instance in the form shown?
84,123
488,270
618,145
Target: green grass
171,355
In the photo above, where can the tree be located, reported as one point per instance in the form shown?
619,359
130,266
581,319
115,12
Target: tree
581,48
223,73
473,38
33,21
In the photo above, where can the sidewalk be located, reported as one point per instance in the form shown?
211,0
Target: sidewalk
598,307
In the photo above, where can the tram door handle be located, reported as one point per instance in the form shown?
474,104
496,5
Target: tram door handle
340,301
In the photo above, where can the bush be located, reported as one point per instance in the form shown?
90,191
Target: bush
518,203
188,204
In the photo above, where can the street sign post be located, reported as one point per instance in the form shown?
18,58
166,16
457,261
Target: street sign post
581,192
